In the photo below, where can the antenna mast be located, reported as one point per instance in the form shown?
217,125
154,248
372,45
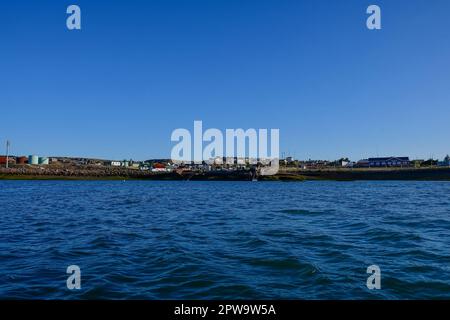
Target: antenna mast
7,153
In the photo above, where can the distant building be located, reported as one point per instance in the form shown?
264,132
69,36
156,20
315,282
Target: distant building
159,167
389,162
11,160
116,163
446,162
343,162
22,160
43,160
364,163
350,164
230,160
33,159
315,164
218,161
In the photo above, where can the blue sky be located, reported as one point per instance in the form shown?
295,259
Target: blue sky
139,69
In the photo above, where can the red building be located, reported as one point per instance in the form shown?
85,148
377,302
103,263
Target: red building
22,160
11,160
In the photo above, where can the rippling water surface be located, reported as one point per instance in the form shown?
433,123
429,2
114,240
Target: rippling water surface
224,240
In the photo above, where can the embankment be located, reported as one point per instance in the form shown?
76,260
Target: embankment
290,174
419,174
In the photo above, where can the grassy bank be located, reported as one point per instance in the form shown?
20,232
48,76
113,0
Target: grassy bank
421,174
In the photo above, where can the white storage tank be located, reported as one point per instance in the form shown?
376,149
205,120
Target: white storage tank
32,159
43,160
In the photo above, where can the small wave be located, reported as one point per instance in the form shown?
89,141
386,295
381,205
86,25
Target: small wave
283,264
101,242
229,291
300,211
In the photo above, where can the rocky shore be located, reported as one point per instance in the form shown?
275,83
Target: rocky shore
118,173
81,173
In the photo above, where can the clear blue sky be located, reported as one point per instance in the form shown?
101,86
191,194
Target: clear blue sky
139,69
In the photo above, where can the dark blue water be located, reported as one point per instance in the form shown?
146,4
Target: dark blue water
221,240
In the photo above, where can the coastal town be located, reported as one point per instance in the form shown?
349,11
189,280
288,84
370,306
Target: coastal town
166,165
223,168
382,168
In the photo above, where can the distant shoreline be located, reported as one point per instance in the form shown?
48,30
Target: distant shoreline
289,174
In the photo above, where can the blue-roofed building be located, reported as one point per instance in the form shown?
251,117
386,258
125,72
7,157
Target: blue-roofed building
389,162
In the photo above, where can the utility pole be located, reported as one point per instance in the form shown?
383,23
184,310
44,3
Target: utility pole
7,153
